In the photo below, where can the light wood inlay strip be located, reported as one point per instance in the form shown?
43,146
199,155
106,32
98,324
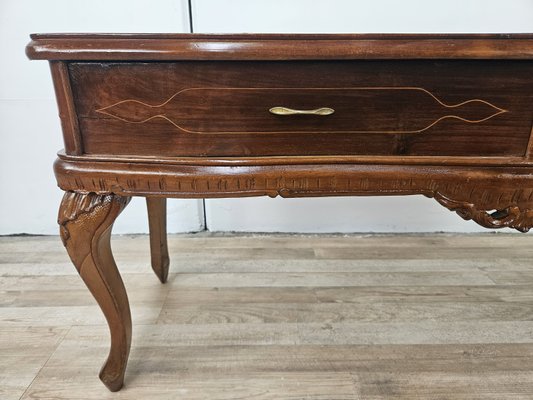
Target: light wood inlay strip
105,110
529,151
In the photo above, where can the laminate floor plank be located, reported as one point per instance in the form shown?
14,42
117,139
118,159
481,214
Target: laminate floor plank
274,358
196,386
139,265
345,312
194,296
23,352
335,279
80,297
422,294
320,317
472,385
232,240
429,252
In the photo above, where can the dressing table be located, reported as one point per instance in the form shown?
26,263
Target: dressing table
449,117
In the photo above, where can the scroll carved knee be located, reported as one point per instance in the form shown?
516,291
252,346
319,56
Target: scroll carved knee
85,222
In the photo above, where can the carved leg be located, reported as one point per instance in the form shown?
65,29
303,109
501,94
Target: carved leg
157,221
85,222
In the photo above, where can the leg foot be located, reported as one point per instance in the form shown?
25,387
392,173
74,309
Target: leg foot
157,221
85,223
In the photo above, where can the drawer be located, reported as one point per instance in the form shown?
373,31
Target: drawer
291,108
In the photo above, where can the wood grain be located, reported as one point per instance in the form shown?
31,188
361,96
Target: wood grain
229,332
85,223
24,351
67,110
278,46
220,109
494,197
157,223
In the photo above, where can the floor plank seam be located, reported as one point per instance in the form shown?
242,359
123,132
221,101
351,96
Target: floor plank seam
46,362
354,381
159,314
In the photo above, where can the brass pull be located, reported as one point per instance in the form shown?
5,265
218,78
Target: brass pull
290,111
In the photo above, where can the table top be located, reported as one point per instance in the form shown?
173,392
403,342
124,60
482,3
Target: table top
95,47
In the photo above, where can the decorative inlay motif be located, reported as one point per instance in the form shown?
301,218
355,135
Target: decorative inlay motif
138,112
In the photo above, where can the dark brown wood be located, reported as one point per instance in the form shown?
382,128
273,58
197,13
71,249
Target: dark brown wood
85,222
493,197
381,108
277,47
157,221
444,116
307,160
67,111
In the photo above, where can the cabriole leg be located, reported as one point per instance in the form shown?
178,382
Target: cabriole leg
85,222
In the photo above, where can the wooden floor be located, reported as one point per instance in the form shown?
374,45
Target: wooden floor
279,317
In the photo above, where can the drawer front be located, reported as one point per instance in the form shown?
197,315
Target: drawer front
455,108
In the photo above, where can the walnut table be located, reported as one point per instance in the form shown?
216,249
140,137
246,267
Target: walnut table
198,116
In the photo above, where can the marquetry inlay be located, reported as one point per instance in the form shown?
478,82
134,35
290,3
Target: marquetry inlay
139,112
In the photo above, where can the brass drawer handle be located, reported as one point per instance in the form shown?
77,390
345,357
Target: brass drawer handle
290,111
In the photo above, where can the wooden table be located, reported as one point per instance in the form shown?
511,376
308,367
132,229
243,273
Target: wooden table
201,116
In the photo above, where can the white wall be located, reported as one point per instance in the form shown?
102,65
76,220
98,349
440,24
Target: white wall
363,214
360,16
30,131
29,127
